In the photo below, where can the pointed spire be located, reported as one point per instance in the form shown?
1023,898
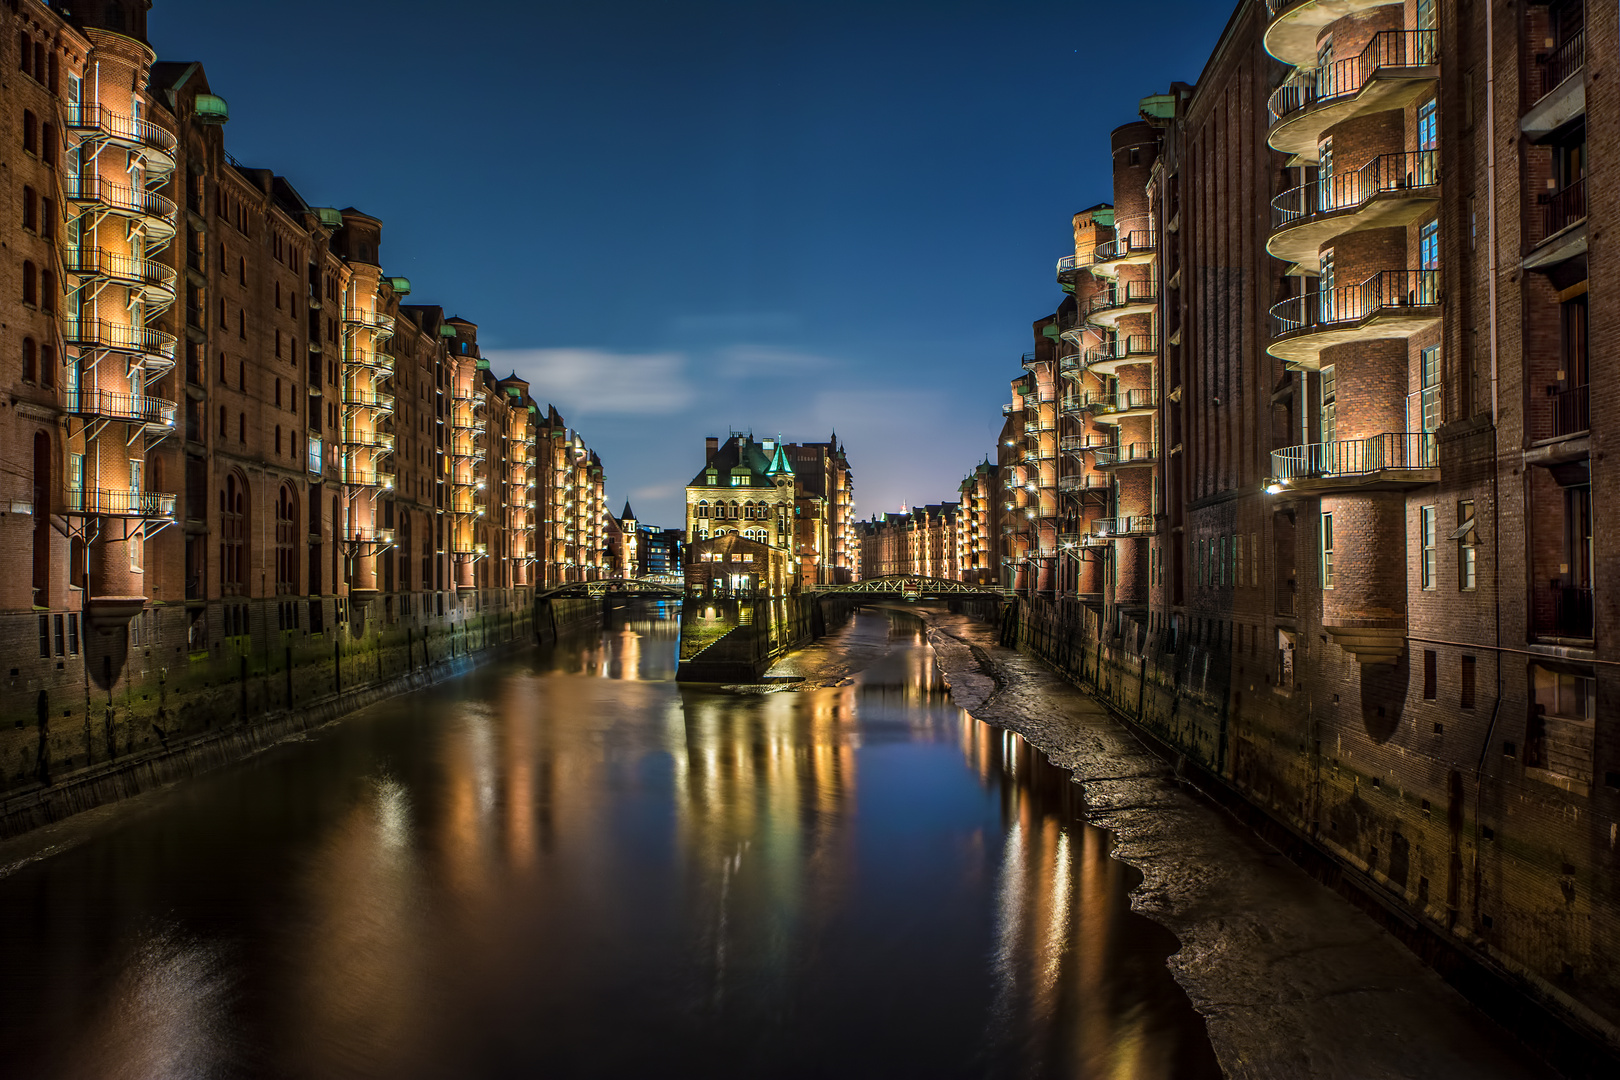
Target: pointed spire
629,514
779,463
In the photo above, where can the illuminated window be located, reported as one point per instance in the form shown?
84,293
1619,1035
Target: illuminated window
1327,551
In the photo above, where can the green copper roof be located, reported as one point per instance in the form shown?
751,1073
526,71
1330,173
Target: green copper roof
779,463
330,216
1159,106
211,109
1103,217
482,365
446,330
400,285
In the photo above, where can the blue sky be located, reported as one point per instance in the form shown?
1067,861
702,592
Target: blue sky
682,218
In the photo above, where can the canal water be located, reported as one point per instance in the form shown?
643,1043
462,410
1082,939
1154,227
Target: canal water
567,865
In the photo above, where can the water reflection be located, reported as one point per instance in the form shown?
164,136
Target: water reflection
572,865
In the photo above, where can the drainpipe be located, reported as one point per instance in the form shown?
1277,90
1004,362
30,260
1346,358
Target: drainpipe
1496,513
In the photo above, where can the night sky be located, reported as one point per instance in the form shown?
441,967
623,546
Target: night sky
682,218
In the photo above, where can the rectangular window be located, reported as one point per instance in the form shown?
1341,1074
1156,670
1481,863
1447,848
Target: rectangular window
1429,394
73,634
1327,551
1467,698
45,635
1254,559
1429,248
1428,129
1330,408
61,636
1467,549
1426,540
1431,674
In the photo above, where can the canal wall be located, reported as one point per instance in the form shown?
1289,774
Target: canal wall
167,713
735,641
1346,802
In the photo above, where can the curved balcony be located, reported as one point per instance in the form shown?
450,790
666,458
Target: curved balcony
155,212
1113,408
374,360
1296,24
1126,455
97,122
1067,267
92,402
1131,298
118,337
1134,525
366,535
152,279
359,476
1392,461
1390,304
355,397
131,504
376,321
374,440
1109,357
1390,190
1083,483
1390,73
1129,249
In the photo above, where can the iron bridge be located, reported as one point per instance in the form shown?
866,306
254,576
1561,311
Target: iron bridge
607,587
910,587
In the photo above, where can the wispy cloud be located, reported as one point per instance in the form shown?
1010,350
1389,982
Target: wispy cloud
595,382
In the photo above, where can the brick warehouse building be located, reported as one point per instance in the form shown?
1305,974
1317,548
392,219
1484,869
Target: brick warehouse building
1354,576
243,470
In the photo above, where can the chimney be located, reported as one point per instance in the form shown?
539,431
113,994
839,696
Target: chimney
711,447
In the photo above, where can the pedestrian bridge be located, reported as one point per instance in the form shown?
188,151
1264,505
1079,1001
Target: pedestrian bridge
910,587
611,587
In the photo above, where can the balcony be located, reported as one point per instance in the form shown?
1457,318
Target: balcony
378,322
130,504
1390,304
374,440
1390,190
360,398
92,402
1113,408
1563,233
1558,86
118,337
1126,455
97,122
1109,357
1390,73
1562,612
374,360
153,280
1135,525
1130,249
1296,24
1131,298
1080,444
362,477
1066,268
154,211
1393,461
1568,412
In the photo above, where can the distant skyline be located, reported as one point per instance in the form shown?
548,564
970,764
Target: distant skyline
679,220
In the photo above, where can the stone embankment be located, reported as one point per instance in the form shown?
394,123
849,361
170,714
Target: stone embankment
1292,980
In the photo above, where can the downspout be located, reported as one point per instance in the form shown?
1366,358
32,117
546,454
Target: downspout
1496,512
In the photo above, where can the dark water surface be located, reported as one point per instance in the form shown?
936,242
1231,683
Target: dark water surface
566,865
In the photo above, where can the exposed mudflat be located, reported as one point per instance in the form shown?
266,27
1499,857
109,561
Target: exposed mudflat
1291,979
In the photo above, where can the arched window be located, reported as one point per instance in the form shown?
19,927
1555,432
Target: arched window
233,510
30,360
30,283
286,540
278,440
703,508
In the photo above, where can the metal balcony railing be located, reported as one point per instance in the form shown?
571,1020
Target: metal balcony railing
1126,452
1277,7
1556,66
1083,482
1124,401
1134,525
367,399
1397,450
101,334
377,321
1346,78
89,188
143,504
375,359
1145,346
111,405
376,440
367,477
1132,292
1564,208
1383,175
1386,291
1569,412
1562,610
1141,242
1066,267
96,262
124,129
